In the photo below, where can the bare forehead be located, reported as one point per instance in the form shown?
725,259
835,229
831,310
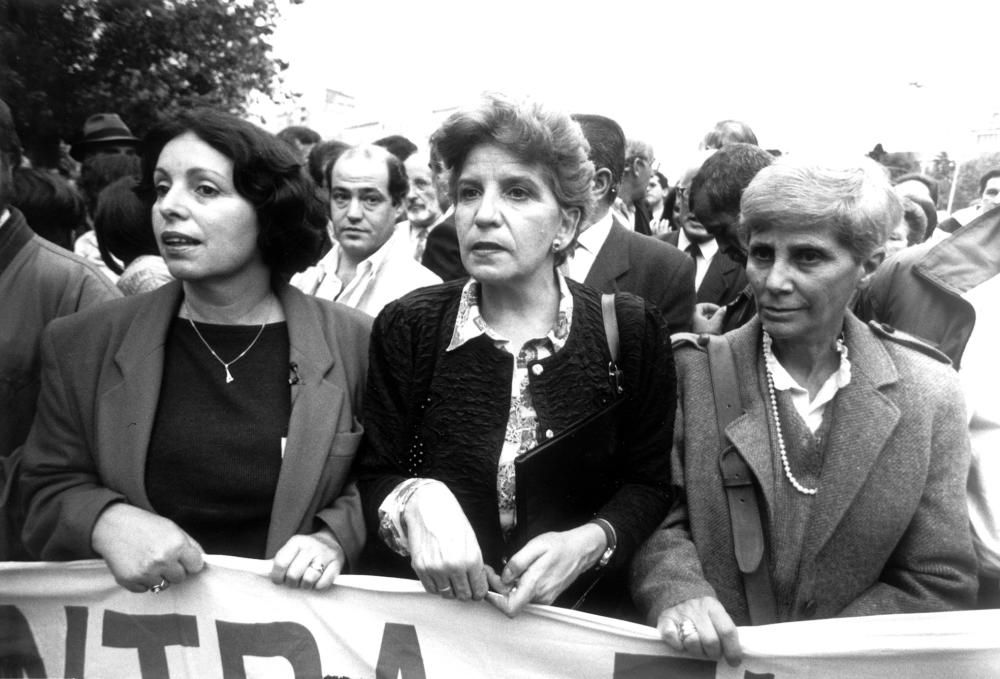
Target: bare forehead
360,170
489,160
418,164
188,152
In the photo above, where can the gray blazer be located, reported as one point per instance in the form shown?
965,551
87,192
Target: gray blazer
88,445
889,532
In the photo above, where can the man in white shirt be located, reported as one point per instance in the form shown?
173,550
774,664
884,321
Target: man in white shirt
371,262
989,198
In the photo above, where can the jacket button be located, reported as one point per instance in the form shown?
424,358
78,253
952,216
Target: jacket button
809,609
549,434
537,369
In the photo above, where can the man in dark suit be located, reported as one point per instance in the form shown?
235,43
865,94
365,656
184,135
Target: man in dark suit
715,196
441,254
610,257
718,277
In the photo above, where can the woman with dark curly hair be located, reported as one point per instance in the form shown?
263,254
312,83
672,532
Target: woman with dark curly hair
218,413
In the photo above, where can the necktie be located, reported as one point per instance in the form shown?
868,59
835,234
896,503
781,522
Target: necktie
693,250
421,245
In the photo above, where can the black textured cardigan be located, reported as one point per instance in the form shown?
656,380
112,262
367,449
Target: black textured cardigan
442,415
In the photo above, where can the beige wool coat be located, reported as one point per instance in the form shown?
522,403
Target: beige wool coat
889,530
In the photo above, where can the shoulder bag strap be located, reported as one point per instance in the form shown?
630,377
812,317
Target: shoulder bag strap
614,343
744,509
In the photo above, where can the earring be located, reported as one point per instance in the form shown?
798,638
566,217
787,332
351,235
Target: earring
556,245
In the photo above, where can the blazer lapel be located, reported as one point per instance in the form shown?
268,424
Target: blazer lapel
750,433
316,401
714,281
864,419
126,410
612,260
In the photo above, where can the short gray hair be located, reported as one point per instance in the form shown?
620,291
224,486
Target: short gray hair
856,201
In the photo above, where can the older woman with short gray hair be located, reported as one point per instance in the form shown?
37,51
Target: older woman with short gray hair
851,439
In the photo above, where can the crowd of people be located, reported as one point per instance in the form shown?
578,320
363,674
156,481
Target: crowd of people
514,362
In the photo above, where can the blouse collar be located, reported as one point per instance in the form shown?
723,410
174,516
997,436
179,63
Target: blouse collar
469,322
783,380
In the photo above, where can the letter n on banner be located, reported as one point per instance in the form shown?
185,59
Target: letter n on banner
400,654
18,651
150,635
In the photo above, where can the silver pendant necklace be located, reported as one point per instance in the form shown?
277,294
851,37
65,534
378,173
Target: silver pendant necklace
229,375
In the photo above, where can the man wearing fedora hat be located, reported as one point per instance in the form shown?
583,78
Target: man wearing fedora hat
104,133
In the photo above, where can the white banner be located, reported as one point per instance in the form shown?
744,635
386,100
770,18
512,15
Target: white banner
230,621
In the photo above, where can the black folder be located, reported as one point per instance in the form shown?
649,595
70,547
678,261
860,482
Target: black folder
561,483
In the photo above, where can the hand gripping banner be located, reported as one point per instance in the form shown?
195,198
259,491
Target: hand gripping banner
230,621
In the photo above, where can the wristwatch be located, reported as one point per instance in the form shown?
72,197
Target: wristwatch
612,540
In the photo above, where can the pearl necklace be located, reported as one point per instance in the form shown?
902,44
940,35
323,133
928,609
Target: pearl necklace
781,438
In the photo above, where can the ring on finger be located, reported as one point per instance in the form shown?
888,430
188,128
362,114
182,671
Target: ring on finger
686,630
318,566
156,589
444,590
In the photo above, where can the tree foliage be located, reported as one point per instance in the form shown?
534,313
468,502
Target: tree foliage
61,61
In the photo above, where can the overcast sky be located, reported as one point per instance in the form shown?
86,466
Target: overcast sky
807,76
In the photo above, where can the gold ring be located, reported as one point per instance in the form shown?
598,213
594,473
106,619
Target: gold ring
319,567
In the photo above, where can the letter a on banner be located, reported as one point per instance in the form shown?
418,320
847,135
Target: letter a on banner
400,654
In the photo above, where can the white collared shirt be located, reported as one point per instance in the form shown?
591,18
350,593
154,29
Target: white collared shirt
708,250
387,274
811,411
577,266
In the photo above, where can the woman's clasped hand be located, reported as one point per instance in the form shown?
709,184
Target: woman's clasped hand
701,627
144,550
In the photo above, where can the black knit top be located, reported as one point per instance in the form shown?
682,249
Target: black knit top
215,450
440,414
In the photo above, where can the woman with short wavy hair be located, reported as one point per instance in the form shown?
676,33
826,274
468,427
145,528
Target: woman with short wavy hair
468,377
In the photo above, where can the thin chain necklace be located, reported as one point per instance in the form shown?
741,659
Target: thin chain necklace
229,375
781,438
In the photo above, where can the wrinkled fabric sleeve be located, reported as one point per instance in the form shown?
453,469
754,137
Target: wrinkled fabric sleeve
60,482
666,570
385,460
642,499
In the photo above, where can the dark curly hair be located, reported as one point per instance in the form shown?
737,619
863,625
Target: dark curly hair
266,172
